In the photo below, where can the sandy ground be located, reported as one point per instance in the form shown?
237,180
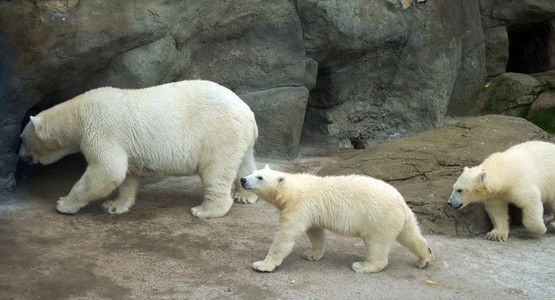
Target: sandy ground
158,250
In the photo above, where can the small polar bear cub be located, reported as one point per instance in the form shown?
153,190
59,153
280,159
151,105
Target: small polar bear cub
176,129
523,175
358,206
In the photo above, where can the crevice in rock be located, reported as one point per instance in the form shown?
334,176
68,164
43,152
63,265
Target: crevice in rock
529,48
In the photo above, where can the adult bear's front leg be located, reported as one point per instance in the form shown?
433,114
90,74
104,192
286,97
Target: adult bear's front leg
97,182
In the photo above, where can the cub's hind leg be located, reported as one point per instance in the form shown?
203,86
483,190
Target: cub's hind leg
317,237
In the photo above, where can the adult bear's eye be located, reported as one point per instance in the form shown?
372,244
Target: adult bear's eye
459,191
259,178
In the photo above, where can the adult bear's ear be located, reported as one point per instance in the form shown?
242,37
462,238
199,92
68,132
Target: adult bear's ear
40,130
481,179
281,180
266,167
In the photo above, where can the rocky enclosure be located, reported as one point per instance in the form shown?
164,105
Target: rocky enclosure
352,73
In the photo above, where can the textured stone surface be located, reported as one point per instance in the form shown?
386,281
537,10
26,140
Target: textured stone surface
509,94
279,115
497,50
391,72
425,166
542,112
375,70
530,35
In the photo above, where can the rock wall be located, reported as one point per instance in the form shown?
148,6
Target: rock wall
353,73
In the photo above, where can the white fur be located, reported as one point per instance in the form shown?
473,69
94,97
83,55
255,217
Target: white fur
181,128
358,206
523,175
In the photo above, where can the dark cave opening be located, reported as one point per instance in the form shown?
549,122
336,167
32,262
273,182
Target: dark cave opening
529,48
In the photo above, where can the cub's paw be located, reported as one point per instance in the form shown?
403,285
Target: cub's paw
312,255
497,235
551,225
244,197
262,266
116,206
203,212
366,267
67,207
423,262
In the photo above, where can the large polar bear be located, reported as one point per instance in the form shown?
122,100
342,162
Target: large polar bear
353,205
178,129
523,175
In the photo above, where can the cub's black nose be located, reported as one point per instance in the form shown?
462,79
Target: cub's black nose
243,181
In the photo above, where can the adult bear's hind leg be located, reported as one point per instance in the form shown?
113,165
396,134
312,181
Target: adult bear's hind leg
126,196
246,168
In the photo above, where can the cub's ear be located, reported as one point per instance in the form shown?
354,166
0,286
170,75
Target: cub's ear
465,169
281,180
266,167
481,179
39,127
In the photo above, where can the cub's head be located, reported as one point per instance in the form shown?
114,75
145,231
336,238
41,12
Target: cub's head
39,145
265,183
470,187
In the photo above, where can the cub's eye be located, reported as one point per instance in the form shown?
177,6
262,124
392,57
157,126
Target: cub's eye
259,178
459,190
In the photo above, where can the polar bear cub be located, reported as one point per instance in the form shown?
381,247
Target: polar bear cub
177,129
358,206
523,175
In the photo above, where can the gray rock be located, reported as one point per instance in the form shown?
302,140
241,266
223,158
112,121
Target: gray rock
546,77
279,114
391,72
529,25
497,50
425,166
542,112
509,94
523,11
376,70
471,73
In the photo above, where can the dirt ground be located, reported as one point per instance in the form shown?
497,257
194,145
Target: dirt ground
158,250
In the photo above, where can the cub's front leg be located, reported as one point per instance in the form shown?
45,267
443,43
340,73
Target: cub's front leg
281,247
498,212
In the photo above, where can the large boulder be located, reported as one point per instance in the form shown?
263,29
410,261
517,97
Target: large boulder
509,94
425,166
391,71
527,47
280,116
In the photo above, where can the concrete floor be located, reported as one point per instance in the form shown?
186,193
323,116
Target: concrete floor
158,250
